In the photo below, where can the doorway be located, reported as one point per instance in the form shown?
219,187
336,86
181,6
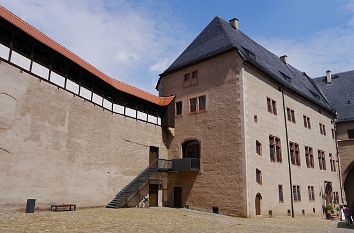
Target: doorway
328,192
153,195
191,149
177,197
153,154
258,201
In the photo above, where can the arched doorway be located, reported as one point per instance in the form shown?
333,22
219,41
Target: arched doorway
258,203
191,149
328,195
349,187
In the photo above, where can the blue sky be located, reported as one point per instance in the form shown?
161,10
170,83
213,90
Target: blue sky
134,41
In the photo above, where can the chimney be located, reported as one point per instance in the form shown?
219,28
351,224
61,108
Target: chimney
284,59
329,76
234,23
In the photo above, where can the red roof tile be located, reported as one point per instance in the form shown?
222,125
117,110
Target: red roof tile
41,37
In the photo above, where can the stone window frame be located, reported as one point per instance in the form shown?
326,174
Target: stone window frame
310,163
272,106
275,147
197,98
259,177
307,122
321,160
280,193
190,79
291,115
176,104
259,148
311,193
322,129
294,153
332,162
296,193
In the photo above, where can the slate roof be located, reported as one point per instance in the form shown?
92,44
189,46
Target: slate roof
340,93
42,38
220,37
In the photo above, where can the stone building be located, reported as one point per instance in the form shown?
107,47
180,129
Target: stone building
338,89
235,130
263,129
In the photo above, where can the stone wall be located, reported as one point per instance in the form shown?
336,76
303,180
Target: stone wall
257,88
346,153
58,148
220,181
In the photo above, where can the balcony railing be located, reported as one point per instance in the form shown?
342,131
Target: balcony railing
164,165
186,164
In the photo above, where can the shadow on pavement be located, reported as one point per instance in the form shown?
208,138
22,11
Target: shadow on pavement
345,225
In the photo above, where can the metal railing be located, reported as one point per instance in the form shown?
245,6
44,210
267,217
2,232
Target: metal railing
186,164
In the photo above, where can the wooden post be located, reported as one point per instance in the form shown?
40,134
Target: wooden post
80,83
32,57
11,45
50,67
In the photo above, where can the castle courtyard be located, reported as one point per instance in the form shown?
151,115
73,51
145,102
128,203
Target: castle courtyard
158,220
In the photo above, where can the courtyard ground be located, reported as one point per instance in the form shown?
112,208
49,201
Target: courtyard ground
157,220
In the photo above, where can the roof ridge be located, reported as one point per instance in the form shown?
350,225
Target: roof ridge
43,38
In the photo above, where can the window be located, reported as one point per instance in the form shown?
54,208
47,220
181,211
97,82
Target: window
291,115
258,176
272,107
259,148
296,193
307,122
202,103
179,108
280,193
333,134
194,74
311,193
294,153
197,104
190,79
309,157
332,162
321,160
350,133
323,129
275,149
193,105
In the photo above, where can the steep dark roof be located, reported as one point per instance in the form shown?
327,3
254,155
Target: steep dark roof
340,93
219,37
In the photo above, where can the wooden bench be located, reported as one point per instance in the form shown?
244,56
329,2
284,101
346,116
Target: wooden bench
67,207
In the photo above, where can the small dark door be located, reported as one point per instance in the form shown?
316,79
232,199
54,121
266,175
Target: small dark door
153,195
258,200
191,149
153,154
177,197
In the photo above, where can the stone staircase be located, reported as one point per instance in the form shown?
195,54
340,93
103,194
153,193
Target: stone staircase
127,193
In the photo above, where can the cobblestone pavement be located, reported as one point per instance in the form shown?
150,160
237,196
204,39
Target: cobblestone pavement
157,220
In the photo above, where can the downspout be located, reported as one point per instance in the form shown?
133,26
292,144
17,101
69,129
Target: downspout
287,148
338,165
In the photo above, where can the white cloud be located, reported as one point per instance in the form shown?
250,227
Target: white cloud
330,49
161,65
118,37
